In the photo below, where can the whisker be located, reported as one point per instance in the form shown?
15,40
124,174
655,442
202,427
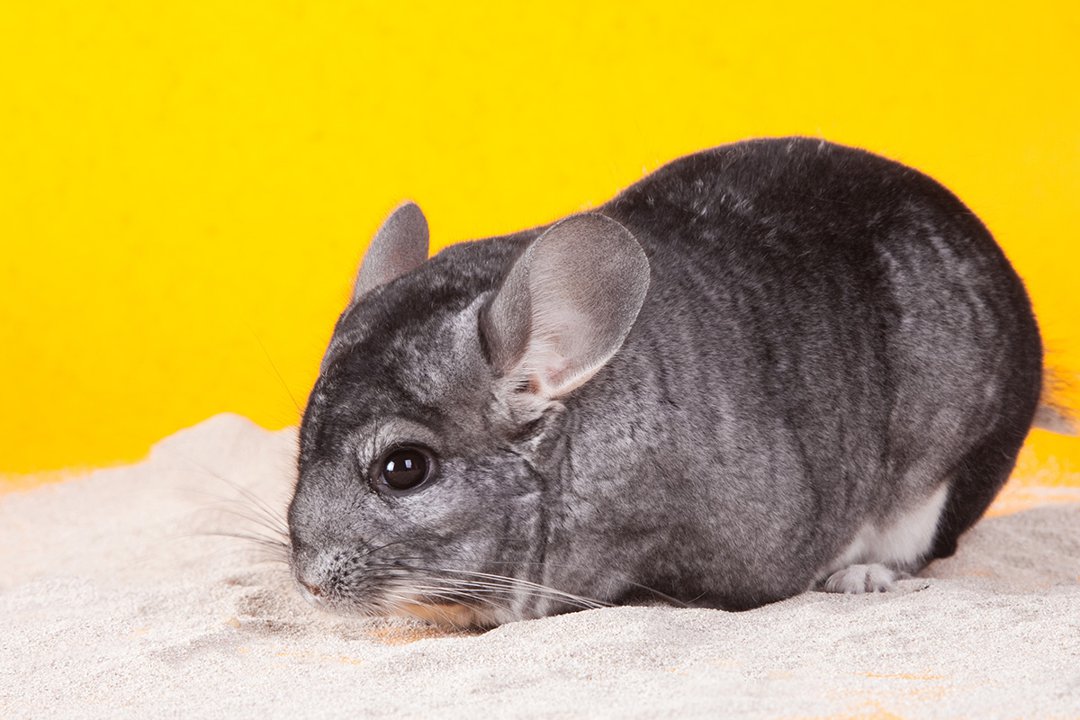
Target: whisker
280,535
373,550
508,585
275,549
511,585
438,611
273,516
476,596
278,373
654,591
537,587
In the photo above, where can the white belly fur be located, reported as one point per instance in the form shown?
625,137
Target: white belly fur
900,543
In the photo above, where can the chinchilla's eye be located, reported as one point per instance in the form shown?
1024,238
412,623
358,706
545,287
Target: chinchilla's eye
405,467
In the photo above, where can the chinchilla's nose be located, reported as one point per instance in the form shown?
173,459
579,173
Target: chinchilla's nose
312,588
310,574
313,593
320,572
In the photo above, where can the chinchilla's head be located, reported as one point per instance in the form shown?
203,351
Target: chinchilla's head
427,481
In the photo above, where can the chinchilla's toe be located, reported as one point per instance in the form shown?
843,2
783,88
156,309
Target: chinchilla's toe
858,579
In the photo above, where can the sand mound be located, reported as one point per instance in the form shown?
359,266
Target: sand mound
113,605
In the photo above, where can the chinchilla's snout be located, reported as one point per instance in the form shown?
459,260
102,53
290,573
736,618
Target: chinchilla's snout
331,577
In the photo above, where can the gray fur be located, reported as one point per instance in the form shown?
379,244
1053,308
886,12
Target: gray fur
826,338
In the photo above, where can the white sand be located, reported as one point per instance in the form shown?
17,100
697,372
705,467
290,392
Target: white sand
107,611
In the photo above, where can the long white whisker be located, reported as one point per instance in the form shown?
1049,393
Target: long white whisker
456,595
259,522
528,584
275,517
511,586
654,591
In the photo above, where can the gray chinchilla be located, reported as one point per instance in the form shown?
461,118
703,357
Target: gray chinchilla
770,367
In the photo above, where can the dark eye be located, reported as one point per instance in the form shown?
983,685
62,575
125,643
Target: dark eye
403,468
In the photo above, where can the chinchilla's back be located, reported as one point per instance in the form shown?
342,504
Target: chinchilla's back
830,340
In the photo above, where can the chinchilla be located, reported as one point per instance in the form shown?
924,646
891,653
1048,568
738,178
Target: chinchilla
774,366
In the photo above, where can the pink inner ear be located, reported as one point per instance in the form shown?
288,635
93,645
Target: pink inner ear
554,374
570,299
545,368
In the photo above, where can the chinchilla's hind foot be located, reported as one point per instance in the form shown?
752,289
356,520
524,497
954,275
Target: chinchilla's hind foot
858,579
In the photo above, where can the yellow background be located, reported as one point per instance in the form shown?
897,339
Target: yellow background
187,187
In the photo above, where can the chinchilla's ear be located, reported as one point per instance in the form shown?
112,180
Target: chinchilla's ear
566,305
400,245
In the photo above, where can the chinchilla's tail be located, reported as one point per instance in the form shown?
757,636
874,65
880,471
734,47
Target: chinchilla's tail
1055,420
1052,414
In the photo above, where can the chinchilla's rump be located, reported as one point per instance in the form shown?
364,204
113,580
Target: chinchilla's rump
830,335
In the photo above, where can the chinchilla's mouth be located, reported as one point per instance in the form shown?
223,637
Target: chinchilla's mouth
445,609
